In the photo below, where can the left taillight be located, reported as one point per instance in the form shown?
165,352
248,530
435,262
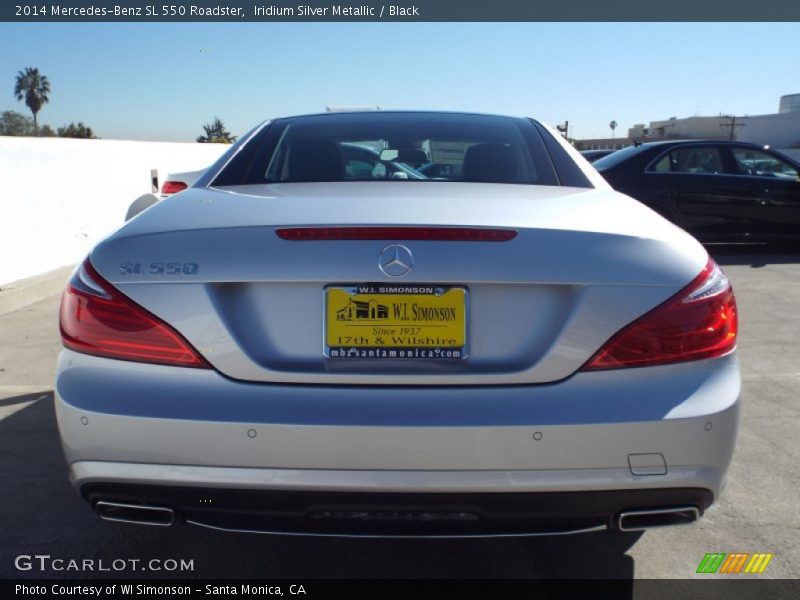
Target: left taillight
96,318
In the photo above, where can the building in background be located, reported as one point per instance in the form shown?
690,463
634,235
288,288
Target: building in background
789,103
779,130
604,143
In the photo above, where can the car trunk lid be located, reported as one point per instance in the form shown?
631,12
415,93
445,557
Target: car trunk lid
583,264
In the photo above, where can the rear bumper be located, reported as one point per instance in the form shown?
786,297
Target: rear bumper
665,432
370,514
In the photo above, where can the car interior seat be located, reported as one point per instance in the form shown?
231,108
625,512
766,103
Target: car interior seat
490,163
315,160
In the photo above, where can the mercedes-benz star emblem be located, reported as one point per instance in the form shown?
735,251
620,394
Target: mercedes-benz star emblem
396,260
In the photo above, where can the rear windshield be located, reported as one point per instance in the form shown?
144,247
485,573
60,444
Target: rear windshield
420,147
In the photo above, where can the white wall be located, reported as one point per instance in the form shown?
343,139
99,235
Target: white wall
793,153
58,197
778,131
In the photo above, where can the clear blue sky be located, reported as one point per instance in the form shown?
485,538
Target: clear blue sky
164,81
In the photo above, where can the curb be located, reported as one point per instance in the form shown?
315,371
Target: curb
21,293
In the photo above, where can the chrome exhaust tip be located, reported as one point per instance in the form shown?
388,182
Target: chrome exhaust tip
140,514
639,520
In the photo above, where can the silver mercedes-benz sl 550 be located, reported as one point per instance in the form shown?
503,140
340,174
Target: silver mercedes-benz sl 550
399,324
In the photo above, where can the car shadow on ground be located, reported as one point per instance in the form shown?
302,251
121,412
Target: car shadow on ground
755,255
43,514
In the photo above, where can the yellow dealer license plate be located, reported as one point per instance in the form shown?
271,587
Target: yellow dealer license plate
393,321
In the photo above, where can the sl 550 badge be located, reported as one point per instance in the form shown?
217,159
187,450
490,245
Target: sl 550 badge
158,268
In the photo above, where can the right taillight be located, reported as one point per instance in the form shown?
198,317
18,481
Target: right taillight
98,319
698,322
173,187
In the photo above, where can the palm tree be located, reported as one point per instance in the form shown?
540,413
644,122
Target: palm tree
613,126
32,87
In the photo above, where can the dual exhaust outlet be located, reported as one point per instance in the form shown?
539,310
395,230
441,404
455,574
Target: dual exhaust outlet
629,520
639,520
141,514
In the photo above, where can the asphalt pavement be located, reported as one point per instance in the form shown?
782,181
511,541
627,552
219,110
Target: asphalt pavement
758,512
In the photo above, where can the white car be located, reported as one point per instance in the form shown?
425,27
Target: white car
303,345
177,182
174,183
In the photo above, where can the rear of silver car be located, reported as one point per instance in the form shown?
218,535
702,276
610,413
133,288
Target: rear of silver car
563,408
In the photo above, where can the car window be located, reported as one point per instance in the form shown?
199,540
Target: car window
358,164
664,164
704,160
392,146
358,169
441,170
362,161
762,164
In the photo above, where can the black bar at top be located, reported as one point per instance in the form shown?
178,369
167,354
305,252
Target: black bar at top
413,10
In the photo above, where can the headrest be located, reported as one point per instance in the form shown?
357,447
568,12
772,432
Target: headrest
412,157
